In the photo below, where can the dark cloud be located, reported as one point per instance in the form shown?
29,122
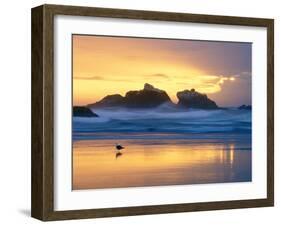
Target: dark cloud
214,57
99,78
158,75
89,78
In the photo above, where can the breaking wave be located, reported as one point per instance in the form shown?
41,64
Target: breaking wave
165,120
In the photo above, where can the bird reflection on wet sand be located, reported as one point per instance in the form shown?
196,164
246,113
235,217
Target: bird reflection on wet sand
118,154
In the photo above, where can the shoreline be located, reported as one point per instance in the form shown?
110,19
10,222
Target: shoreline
157,135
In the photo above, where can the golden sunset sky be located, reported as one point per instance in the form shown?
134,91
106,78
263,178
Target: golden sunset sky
104,65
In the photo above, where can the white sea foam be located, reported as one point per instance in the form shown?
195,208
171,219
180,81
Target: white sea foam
165,119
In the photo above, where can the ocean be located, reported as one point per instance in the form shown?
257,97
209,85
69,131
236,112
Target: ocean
163,146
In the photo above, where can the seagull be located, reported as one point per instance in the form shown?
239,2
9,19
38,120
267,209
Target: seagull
119,147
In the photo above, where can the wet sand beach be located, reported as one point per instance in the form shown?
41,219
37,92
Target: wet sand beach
188,159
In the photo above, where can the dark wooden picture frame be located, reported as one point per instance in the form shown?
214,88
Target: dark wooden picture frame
42,203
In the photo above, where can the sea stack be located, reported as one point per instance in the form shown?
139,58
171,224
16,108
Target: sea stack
193,99
148,97
115,100
80,111
245,107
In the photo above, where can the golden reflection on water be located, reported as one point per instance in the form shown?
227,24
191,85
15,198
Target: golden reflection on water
231,154
96,166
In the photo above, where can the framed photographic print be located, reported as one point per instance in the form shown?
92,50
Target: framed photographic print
141,112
